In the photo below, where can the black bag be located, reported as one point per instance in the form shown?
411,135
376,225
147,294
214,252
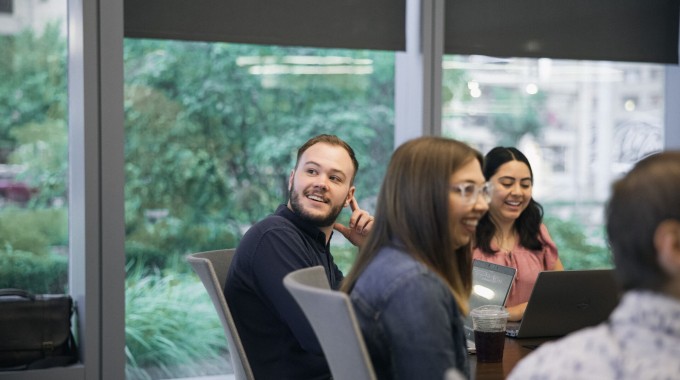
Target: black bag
35,330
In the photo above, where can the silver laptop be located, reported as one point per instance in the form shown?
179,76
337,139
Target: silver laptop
490,286
565,301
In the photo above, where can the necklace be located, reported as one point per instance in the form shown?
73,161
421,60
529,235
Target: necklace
506,245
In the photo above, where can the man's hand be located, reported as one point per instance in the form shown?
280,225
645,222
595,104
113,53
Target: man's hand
360,224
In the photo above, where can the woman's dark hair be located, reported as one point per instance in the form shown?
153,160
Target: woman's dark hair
412,213
528,224
647,196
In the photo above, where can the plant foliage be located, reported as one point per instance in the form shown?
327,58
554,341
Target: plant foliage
576,249
162,333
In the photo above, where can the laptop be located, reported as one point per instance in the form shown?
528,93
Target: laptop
565,301
490,286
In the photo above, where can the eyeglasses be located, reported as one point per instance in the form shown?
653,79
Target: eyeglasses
469,192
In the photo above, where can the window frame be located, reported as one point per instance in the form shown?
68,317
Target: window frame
96,161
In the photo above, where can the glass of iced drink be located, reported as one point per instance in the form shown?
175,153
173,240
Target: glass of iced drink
488,323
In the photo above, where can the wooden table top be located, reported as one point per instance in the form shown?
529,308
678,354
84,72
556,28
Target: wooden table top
513,352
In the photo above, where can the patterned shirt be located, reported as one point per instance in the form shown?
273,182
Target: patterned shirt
641,340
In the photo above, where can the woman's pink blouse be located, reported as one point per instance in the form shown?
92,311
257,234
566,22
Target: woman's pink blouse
528,264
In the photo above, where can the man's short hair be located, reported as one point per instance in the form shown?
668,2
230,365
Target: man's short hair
640,201
331,140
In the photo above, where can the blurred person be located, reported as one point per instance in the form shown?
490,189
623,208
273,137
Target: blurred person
641,339
512,233
278,340
411,282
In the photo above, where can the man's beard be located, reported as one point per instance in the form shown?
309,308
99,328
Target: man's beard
319,221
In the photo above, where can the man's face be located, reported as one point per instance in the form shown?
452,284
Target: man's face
320,185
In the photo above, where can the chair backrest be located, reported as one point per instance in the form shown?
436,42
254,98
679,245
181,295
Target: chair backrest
212,268
332,318
454,374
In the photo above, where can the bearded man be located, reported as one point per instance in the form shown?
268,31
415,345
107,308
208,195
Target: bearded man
278,340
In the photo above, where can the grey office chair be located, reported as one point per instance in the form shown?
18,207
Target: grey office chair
453,374
212,268
332,318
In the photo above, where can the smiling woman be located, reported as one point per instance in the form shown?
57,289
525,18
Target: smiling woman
414,270
512,232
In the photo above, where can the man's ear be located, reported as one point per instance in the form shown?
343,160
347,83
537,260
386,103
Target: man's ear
290,178
350,195
667,245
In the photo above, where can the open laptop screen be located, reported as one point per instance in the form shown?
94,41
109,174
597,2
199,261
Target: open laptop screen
565,301
490,286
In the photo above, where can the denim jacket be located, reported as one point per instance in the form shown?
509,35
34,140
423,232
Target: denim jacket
411,323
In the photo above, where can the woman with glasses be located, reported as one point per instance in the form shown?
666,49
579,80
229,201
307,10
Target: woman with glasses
412,279
512,233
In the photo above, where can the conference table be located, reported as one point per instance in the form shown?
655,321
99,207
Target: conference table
514,351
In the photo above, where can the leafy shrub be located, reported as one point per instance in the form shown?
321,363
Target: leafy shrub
344,256
28,238
145,254
33,231
576,249
169,321
35,273
164,244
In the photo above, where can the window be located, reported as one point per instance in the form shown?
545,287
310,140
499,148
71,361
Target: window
34,243
96,42
576,122
211,136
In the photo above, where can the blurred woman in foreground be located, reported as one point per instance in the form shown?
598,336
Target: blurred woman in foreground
411,282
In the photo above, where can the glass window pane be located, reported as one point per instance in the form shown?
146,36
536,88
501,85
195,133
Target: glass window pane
581,124
211,136
33,146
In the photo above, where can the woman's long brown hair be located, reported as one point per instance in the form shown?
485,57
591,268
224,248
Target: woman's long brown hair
412,213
